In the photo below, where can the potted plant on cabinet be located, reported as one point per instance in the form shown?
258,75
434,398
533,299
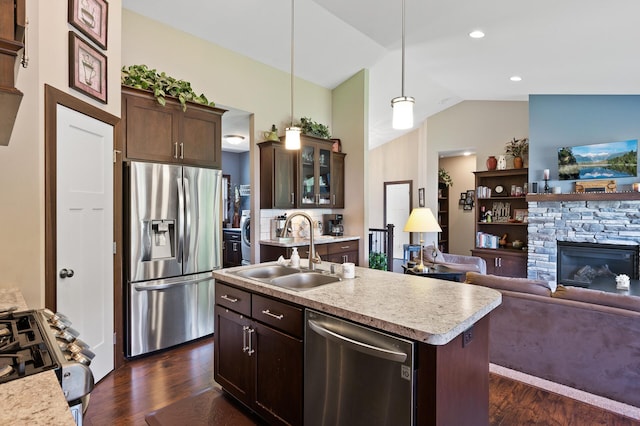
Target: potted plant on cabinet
517,148
141,77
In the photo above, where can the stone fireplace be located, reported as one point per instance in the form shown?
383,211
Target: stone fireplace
579,218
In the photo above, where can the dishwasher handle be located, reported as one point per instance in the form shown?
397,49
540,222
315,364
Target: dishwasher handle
357,345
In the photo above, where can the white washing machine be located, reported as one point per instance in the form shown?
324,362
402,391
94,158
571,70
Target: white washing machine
245,236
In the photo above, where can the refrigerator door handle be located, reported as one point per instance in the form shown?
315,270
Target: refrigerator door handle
187,208
180,220
165,284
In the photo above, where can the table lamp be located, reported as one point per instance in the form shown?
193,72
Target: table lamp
421,220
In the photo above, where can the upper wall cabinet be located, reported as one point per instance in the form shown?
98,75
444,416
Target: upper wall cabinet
277,176
312,177
168,134
12,29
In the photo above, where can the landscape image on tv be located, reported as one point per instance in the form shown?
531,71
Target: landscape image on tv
599,161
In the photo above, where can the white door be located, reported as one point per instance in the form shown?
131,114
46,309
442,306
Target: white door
397,210
85,231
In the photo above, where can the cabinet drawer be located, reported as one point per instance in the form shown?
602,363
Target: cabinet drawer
343,247
277,314
233,298
231,236
303,251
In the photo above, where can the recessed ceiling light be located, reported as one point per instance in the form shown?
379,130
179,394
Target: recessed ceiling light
515,78
476,34
234,139
466,153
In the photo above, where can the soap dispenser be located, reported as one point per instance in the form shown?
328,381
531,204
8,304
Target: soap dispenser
295,258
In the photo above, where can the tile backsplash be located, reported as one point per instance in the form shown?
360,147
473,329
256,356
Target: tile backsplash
267,215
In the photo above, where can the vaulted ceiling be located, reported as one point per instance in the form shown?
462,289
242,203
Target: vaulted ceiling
556,47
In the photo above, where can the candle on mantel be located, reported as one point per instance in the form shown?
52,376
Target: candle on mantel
546,173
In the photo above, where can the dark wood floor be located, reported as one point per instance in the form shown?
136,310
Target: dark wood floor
144,385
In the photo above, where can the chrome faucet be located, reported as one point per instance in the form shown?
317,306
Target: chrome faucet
313,257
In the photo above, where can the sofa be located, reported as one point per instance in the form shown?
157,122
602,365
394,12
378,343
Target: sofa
582,338
457,262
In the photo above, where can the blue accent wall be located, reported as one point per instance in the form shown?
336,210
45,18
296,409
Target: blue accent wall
236,164
568,120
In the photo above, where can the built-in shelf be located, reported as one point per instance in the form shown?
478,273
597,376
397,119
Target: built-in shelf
586,196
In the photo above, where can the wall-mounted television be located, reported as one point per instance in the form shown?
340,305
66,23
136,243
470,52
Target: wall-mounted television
609,160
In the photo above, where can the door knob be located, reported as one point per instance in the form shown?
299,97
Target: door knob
66,273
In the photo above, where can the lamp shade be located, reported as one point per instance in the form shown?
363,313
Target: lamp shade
292,138
402,112
422,220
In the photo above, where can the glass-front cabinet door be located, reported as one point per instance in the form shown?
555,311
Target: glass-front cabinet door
324,177
315,175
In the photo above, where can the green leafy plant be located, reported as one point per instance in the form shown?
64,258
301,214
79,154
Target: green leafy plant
444,177
141,77
378,261
312,128
517,147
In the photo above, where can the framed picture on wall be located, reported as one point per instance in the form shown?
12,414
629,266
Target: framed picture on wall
90,17
87,69
420,197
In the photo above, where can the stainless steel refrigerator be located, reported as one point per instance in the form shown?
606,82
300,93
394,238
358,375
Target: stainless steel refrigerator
174,239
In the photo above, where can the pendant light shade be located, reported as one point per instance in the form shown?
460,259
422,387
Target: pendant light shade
292,138
402,105
402,112
292,133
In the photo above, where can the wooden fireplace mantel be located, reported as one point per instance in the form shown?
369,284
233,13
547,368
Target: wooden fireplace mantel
586,196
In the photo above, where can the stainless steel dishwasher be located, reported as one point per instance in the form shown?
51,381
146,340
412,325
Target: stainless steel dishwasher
354,375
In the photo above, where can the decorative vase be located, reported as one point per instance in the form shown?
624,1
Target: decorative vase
502,162
517,162
492,162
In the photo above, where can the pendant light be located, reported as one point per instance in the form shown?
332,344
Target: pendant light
292,134
402,105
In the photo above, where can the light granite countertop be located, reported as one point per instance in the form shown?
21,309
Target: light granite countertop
36,399
423,309
296,242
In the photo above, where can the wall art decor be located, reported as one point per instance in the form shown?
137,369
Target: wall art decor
90,17
87,69
599,161
421,197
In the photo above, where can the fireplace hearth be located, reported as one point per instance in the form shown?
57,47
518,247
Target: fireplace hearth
587,264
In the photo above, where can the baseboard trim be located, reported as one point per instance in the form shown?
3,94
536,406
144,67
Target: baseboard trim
569,392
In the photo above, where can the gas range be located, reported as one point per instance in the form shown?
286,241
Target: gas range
35,341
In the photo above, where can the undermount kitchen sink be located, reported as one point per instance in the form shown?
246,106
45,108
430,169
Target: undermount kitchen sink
267,272
287,277
304,280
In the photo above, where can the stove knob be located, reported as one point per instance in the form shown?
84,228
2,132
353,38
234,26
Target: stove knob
68,334
77,346
84,356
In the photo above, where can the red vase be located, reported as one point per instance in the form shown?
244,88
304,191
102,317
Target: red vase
492,162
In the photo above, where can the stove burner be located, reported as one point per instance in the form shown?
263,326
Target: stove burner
24,348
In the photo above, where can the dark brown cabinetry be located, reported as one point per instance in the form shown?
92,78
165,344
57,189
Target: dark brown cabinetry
501,215
443,217
232,249
312,177
343,252
168,134
12,30
277,176
259,353
338,252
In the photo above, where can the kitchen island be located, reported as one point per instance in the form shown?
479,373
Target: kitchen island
448,321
